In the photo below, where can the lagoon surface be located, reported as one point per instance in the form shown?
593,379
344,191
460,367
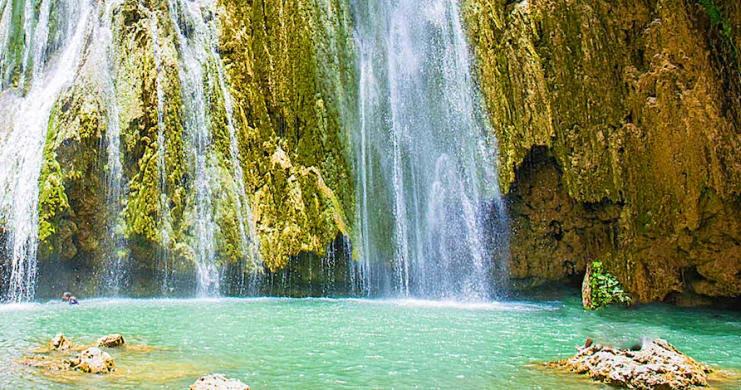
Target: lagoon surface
351,343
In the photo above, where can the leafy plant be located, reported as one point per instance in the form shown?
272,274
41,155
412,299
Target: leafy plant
604,289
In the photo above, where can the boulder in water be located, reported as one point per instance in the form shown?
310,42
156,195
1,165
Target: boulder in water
110,341
218,382
93,361
656,365
60,343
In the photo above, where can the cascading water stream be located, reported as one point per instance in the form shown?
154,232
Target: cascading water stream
163,255
116,245
200,68
423,152
21,149
192,79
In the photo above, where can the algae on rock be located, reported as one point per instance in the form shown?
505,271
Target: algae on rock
637,104
288,65
285,68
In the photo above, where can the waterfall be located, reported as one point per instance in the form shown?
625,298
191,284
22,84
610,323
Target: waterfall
426,153
201,68
23,137
164,253
115,241
31,84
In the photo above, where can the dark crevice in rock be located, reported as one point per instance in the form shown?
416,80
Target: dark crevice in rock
554,236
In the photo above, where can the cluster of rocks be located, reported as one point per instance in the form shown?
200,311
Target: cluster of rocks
93,359
654,365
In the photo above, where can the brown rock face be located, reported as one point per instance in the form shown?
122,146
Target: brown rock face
554,237
110,341
630,114
657,365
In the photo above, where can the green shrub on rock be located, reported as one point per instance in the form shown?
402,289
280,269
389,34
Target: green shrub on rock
600,288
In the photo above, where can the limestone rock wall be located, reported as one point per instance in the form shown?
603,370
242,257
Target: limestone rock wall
632,111
287,67
292,72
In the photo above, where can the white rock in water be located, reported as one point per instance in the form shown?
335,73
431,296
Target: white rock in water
60,343
656,365
218,382
93,361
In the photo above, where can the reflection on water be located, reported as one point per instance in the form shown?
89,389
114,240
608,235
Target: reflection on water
311,343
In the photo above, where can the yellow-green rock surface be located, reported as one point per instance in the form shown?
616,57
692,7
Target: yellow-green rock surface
619,128
288,67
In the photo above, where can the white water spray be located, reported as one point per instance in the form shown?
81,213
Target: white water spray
21,152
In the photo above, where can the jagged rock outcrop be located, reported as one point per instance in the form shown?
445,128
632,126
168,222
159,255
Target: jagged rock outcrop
60,343
93,361
654,365
110,341
630,114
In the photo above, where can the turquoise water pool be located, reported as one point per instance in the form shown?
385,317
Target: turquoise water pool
350,343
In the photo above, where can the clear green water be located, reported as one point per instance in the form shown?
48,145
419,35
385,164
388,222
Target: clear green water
326,343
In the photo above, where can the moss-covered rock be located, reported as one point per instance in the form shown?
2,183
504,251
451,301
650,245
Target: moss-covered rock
288,66
276,159
71,196
638,105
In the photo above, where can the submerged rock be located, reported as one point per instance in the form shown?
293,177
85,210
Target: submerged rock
45,362
110,341
656,364
93,361
218,382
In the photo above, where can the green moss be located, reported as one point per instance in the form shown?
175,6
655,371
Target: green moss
288,65
11,59
52,197
716,17
719,20
71,185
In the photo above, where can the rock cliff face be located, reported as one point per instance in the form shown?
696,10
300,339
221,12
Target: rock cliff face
292,72
619,128
276,112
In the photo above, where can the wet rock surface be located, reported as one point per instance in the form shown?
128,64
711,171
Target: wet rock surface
93,361
654,365
60,343
218,382
61,354
110,341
